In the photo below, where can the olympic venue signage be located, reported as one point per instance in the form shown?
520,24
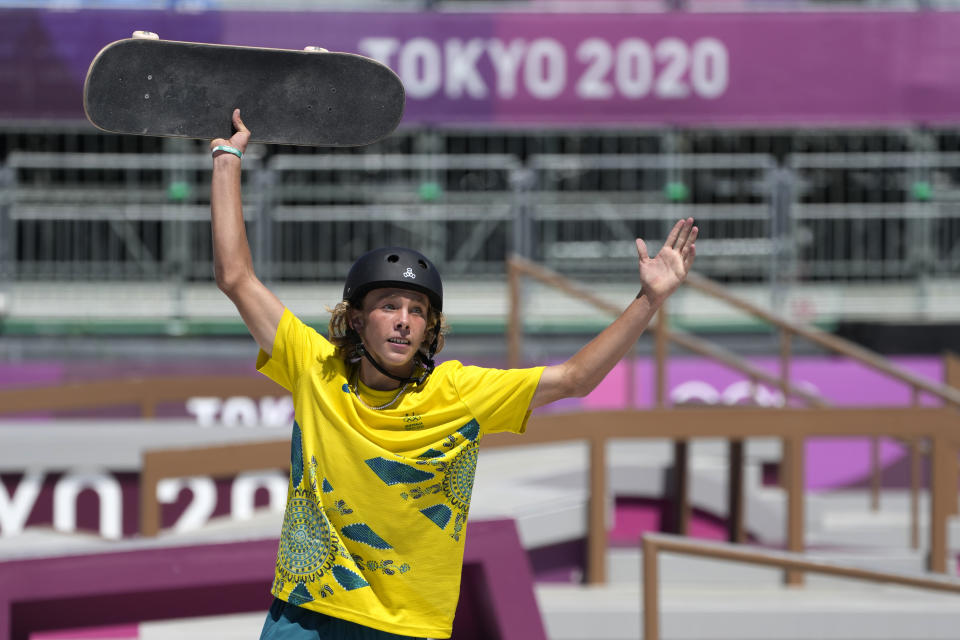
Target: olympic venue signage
737,69
559,69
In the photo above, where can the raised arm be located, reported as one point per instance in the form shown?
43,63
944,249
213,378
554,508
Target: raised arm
232,264
659,277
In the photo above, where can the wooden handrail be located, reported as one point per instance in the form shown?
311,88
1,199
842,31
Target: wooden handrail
517,265
714,289
683,339
600,427
145,393
218,461
826,340
655,543
918,424
724,356
855,352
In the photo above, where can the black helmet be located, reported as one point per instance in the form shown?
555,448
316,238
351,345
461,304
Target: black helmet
394,267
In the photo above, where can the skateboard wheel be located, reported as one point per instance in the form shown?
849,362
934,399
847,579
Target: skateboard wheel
316,49
146,35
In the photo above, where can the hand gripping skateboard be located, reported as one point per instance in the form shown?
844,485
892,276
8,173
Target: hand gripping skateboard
147,86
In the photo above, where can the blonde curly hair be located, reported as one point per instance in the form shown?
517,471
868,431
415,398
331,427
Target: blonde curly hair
347,340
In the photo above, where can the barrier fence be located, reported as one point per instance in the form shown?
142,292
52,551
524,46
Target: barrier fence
143,217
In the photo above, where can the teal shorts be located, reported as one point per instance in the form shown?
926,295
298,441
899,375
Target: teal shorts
290,622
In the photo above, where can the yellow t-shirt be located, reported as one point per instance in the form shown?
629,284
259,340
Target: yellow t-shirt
376,514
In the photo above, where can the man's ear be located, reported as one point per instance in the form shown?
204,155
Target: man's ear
355,320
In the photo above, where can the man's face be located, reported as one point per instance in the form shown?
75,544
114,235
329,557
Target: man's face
392,324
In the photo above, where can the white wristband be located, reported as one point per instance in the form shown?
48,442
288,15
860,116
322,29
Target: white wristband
223,147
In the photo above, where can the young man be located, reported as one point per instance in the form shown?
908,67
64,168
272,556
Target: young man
384,444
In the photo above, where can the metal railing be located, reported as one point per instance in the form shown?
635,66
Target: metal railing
586,209
891,218
876,216
456,208
110,216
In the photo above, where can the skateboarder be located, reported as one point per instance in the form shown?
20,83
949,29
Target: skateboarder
384,443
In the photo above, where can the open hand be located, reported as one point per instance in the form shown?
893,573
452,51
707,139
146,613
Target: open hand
238,140
660,276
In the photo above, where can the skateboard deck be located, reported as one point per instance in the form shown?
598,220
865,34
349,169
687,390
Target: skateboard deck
153,87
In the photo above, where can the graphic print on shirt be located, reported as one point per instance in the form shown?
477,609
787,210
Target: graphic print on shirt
309,545
296,455
447,468
351,577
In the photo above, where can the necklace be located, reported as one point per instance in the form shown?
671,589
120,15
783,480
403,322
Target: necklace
355,387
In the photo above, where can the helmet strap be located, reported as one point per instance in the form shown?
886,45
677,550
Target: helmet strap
432,351
427,365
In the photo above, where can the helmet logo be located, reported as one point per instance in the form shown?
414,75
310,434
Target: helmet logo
409,273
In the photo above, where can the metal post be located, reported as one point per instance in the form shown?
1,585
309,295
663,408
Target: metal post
920,245
264,179
785,353
522,181
522,246
515,319
181,230
781,182
8,239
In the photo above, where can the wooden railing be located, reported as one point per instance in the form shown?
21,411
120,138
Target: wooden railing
145,394
599,428
221,461
653,544
939,426
518,268
792,426
917,384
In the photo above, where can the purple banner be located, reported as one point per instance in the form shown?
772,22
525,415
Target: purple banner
676,68
44,55
552,69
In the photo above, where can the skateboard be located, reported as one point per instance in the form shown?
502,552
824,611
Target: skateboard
147,86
